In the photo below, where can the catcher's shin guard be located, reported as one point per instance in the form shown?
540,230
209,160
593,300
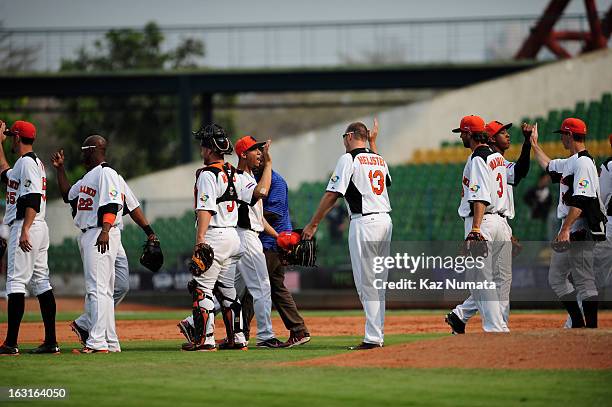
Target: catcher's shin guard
231,309
203,316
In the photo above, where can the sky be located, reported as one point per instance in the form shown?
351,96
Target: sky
102,13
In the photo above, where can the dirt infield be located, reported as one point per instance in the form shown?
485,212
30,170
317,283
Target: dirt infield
549,349
318,326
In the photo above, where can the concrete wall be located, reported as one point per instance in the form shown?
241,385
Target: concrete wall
312,156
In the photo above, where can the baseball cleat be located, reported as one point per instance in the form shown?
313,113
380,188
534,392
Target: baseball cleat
86,350
271,343
6,350
226,345
297,339
456,324
190,347
366,346
187,330
81,333
52,349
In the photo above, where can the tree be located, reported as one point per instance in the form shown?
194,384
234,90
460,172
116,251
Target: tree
142,130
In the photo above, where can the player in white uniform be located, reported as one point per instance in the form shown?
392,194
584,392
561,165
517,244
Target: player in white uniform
484,202
251,269
218,192
131,207
28,241
99,202
602,254
499,140
583,224
362,178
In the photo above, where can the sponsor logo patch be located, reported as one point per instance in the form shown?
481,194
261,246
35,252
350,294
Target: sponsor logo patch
204,198
475,188
583,184
335,178
113,192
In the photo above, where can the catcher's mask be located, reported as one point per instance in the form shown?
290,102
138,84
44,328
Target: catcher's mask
213,136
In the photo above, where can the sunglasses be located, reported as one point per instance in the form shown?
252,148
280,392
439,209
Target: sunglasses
85,148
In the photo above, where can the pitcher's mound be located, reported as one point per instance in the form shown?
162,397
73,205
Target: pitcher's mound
558,349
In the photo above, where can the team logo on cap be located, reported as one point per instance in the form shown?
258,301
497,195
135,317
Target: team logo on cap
583,184
204,198
113,192
475,188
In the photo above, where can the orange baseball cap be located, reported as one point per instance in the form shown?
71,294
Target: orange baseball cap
494,127
22,129
472,123
247,143
574,125
288,239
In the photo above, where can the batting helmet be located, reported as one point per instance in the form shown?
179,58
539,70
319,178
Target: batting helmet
213,136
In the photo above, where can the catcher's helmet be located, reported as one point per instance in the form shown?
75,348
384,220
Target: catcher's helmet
213,136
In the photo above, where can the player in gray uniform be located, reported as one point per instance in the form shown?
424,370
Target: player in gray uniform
602,253
28,243
583,219
499,140
131,207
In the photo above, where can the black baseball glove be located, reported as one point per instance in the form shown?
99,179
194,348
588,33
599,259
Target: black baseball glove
152,256
2,247
304,254
476,245
202,259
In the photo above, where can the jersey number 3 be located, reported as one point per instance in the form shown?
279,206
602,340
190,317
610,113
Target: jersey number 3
500,191
377,180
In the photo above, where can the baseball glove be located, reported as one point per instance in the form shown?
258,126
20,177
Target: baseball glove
152,256
295,251
202,259
559,246
2,247
476,245
517,247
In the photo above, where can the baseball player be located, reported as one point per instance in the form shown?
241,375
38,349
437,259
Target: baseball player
219,190
131,207
28,243
499,140
99,202
362,177
251,269
583,223
602,253
483,207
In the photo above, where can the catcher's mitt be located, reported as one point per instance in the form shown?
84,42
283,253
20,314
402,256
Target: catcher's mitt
293,250
202,259
476,245
152,256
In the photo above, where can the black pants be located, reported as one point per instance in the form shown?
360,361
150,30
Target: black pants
281,298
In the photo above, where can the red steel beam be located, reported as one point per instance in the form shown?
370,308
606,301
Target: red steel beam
540,33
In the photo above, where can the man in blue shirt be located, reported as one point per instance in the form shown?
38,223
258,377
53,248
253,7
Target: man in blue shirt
276,213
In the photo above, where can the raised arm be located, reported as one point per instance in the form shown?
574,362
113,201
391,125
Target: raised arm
4,165
373,135
540,155
57,159
521,168
263,186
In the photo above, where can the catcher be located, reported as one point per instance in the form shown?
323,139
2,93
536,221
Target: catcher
152,257
219,190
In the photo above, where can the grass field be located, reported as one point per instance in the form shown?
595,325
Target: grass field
158,374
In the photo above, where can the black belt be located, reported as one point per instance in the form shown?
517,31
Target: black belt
495,213
88,228
365,214
221,227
